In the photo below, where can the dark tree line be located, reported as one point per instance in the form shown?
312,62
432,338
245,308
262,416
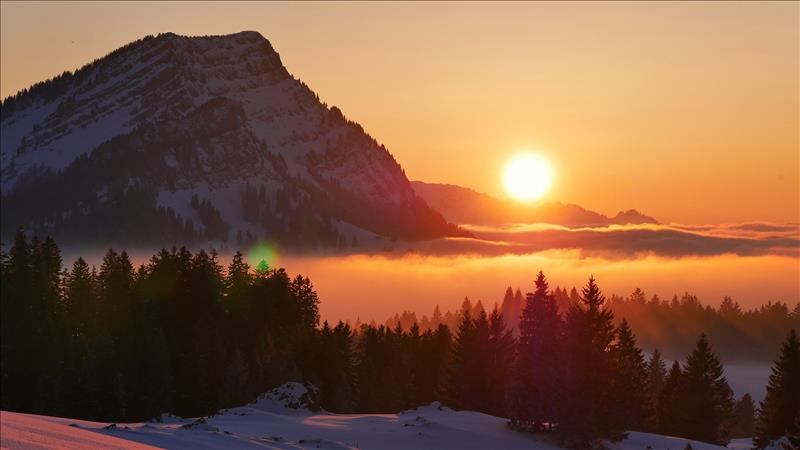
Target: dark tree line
176,334
183,334
672,325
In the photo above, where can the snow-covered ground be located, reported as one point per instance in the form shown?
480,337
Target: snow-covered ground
278,420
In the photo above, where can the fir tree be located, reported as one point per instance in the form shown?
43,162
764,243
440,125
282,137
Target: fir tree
656,375
705,399
668,408
237,282
432,363
332,369
501,359
467,381
536,374
778,412
17,317
589,333
627,399
509,309
744,417
82,358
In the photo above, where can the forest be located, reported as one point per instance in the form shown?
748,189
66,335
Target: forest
183,334
672,326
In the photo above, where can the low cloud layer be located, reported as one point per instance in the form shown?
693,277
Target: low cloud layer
747,239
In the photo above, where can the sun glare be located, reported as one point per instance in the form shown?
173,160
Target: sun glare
527,177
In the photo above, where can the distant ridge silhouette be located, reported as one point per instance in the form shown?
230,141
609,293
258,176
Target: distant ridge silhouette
466,206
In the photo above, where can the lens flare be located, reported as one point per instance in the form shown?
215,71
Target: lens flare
262,255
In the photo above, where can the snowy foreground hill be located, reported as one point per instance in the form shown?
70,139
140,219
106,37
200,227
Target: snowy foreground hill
283,419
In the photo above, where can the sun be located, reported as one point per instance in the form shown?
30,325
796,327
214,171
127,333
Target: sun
527,177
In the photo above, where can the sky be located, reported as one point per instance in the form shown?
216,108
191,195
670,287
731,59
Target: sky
685,111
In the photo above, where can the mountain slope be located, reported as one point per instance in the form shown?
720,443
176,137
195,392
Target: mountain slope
199,138
465,206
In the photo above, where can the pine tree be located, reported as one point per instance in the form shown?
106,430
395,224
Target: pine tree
467,380
627,396
536,374
115,311
17,369
81,304
332,369
237,283
705,399
668,408
744,417
656,375
402,383
778,412
432,363
589,333
371,367
508,309
477,370
501,359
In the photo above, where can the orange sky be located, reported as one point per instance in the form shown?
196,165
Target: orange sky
687,111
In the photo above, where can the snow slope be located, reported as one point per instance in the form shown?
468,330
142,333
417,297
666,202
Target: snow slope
26,431
281,420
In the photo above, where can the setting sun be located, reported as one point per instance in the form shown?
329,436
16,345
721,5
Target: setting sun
527,177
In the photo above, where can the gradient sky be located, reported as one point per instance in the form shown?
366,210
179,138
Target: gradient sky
686,111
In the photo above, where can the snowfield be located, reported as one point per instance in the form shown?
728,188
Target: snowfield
280,420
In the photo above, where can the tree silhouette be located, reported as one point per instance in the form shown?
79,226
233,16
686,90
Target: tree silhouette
588,368
628,390
537,371
668,408
744,414
778,412
705,399
656,376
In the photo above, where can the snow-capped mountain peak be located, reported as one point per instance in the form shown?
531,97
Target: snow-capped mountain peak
214,117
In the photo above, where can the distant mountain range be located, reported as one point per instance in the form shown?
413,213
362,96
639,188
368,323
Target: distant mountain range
174,139
466,206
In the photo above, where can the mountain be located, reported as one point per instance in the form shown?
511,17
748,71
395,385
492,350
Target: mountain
465,206
193,139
